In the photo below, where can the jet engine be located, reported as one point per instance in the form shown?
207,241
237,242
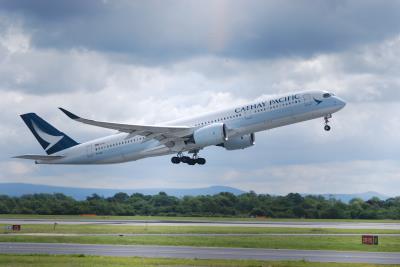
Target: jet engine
209,135
239,142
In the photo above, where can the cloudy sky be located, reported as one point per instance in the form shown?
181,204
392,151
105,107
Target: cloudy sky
151,61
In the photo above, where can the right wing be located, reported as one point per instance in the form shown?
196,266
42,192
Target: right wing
38,157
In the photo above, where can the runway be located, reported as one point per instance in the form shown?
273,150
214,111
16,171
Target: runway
284,224
201,252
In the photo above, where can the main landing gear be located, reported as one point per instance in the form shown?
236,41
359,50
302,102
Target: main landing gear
188,160
326,118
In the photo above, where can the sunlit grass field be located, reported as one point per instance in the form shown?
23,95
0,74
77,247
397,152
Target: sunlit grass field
386,243
339,243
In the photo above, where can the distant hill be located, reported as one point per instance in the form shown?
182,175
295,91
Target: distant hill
19,189
347,197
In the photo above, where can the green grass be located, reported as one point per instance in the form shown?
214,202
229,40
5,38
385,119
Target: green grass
80,261
283,242
172,218
343,243
128,229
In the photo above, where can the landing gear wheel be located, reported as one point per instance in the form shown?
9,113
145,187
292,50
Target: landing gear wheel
201,161
175,160
188,160
327,128
185,159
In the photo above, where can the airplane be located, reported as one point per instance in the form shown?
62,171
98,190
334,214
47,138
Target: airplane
232,128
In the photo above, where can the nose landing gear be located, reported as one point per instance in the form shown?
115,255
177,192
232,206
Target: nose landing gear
326,118
188,160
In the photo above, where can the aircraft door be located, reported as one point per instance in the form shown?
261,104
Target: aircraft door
307,99
89,151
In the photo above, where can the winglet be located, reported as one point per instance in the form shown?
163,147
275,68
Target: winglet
69,114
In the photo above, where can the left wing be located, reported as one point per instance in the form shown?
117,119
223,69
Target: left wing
149,131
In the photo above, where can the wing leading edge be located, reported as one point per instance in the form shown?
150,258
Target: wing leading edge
145,130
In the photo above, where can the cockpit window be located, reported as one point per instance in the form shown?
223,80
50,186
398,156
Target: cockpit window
326,95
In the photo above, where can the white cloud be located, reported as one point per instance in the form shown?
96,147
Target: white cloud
15,169
13,38
332,177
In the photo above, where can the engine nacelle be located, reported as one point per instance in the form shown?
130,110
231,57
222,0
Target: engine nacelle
239,142
209,135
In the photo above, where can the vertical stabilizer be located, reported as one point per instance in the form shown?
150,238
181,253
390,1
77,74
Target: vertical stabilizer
51,139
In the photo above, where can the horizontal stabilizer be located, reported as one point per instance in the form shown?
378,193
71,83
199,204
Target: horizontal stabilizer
38,157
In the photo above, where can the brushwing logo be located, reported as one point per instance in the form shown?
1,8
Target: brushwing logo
50,139
317,101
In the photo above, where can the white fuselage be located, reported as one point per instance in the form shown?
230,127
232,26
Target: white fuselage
268,113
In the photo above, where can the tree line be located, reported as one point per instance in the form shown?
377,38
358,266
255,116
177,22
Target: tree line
225,204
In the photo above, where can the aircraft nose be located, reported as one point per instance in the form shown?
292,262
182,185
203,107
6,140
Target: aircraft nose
340,102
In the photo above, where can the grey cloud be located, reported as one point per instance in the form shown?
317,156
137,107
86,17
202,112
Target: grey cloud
310,27
153,32
48,10
40,72
368,73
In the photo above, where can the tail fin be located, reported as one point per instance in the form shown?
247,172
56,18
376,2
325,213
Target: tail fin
51,139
